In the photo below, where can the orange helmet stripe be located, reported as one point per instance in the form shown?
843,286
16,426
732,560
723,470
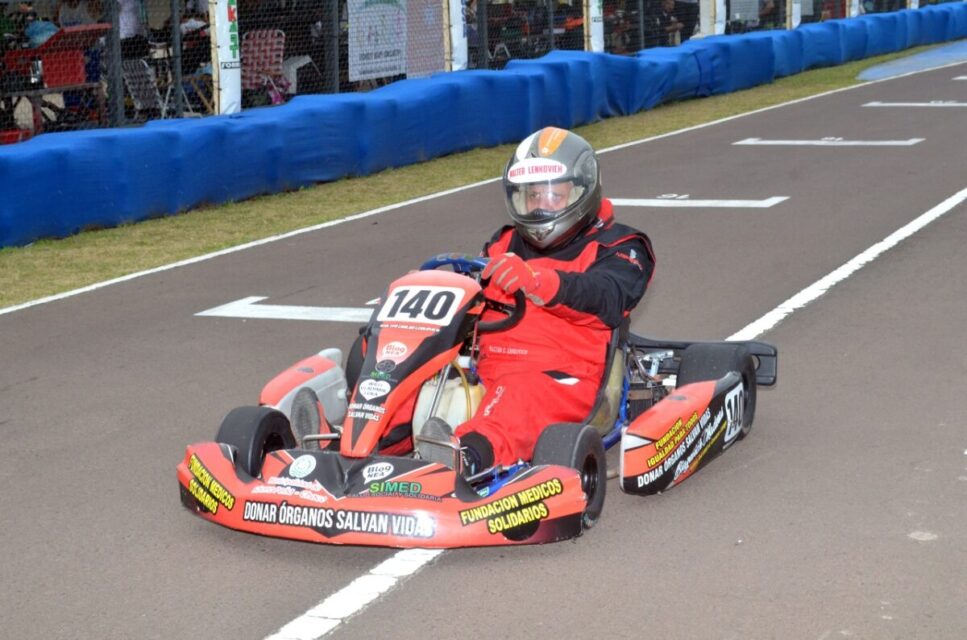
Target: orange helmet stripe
549,140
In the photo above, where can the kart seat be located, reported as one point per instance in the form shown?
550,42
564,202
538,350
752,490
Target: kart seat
608,402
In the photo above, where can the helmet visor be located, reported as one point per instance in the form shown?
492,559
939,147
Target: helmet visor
540,190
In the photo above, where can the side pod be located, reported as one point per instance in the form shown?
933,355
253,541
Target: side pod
679,435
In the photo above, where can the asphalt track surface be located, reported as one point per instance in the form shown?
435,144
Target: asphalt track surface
842,515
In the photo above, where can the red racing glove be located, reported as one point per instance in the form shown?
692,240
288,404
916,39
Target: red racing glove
509,272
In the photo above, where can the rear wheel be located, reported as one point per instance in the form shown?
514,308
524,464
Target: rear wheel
255,431
577,446
711,361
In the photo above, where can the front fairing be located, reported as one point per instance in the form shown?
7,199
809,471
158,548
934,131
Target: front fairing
321,496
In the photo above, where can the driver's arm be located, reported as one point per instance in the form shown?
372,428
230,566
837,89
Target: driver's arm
608,291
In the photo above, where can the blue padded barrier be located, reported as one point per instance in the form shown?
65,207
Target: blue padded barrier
636,84
787,48
958,20
733,64
880,34
935,25
822,44
58,184
915,28
571,85
854,39
688,81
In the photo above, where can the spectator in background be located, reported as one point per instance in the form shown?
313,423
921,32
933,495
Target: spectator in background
669,27
768,14
686,12
134,44
14,23
71,13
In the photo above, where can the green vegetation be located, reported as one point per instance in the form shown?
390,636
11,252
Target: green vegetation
54,266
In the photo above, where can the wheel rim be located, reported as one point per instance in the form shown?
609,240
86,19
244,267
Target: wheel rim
589,477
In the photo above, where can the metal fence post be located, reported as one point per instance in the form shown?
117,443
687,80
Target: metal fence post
176,76
483,38
641,24
550,23
115,82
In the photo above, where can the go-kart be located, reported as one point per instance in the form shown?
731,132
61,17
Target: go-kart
322,459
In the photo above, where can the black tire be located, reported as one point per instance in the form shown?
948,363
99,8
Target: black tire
577,446
306,419
254,431
711,361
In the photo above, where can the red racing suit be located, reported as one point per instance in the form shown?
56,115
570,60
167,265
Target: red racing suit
548,368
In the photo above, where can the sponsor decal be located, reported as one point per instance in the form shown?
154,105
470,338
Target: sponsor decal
302,466
288,491
632,257
510,351
399,489
670,448
331,521
410,327
516,509
370,389
535,170
498,394
366,411
385,366
206,489
672,438
395,351
377,471
311,485
395,488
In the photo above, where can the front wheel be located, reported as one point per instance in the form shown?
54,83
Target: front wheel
579,447
255,431
713,360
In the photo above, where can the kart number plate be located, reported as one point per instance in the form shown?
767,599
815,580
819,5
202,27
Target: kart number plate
427,304
734,405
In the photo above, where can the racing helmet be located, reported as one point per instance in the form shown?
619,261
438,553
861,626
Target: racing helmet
552,187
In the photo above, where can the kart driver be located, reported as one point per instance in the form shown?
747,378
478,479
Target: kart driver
582,274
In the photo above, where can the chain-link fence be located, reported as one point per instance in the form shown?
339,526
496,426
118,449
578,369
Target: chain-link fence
72,64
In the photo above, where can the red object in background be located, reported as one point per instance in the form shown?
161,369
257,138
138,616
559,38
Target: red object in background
62,55
12,136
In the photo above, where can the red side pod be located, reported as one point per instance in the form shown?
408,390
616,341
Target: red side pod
293,378
665,444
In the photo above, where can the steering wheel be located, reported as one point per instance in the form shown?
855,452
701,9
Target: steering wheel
468,265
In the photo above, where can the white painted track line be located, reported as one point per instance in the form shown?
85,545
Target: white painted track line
821,286
933,103
343,604
672,203
831,142
248,308
331,612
